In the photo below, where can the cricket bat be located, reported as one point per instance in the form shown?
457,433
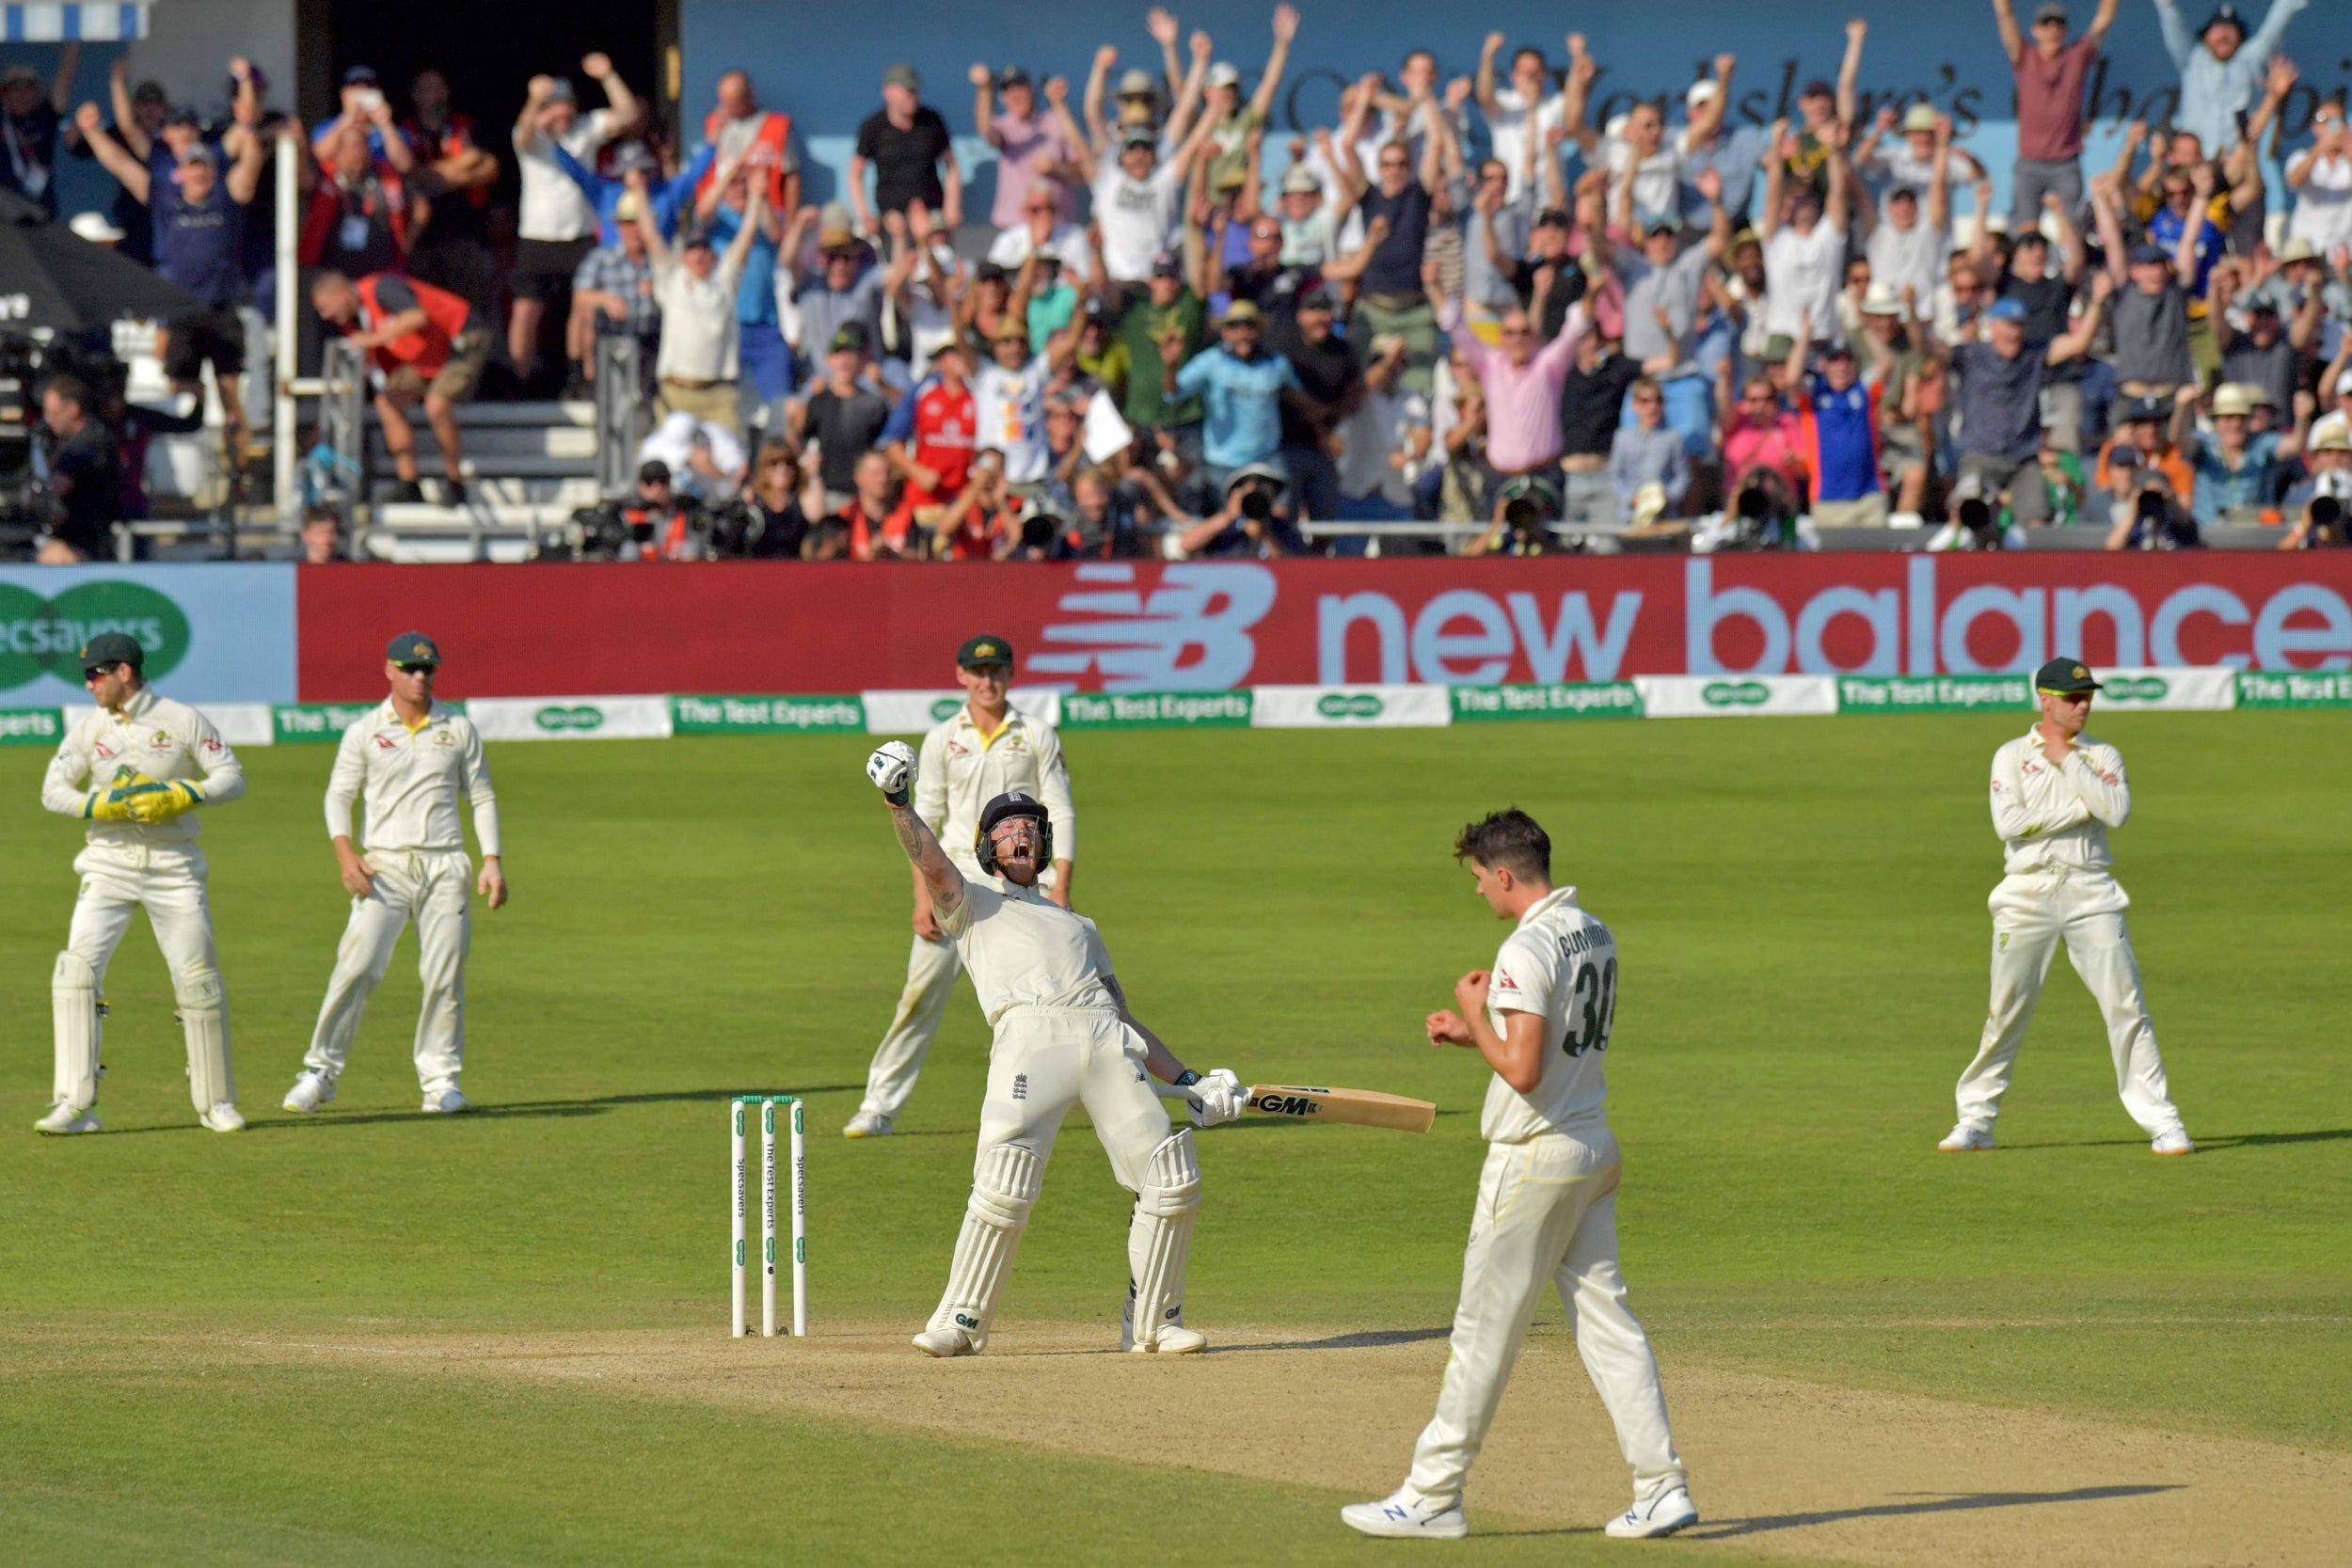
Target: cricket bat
1302,1102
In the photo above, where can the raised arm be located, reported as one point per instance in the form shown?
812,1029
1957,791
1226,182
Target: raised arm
657,248
1940,179
1849,69
1581,70
129,172
2105,215
1189,91
2012,40
2179,41
1708,117
2266,39
1098,134
1775,178
1483,84
1285,29
244,176
983,105
2100,22
891,769
597,68
2076,342
126,119
1081,150
61,85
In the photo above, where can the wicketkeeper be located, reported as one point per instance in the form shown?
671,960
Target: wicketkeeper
135,767
2055,792
416,763
1064,1037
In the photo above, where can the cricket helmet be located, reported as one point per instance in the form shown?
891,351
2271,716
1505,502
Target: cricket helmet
1013,803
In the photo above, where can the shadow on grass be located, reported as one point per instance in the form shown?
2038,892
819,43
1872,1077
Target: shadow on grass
1368,1339
2205,1145
1956,1502
516,1111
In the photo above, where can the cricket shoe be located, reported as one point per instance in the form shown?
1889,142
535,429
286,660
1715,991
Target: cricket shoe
1407,1515
65,1118
1965,1139
2173,1142
310,1091
1173,1340
445,1102
223,1118
1669,1511
945,1343
868,1124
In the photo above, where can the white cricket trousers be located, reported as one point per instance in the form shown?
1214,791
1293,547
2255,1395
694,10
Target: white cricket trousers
168,884
1546,1215
931,971
1046,1060
2031,914
434,887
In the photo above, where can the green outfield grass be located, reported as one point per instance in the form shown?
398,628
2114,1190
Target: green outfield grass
1800,905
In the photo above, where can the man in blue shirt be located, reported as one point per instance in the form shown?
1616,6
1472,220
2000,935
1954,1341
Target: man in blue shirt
667,196
2233,465
1846,488
1241,388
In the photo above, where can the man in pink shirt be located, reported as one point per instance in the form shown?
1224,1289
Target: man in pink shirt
2050,76
1522,383
1029,146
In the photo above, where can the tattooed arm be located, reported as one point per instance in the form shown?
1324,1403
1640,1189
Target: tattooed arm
940,877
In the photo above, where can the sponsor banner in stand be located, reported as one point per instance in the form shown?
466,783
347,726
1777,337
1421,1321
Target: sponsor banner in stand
221,632
766,715
1932,693
570,717
1297,707
1736,696
913,712
2168,690
312,723
2320,689
1147,710
1474,704
1215,626
31,726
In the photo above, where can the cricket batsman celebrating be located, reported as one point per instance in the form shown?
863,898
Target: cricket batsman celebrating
1547,1209
1064,1037
414,762
983,750
2055,792
134,769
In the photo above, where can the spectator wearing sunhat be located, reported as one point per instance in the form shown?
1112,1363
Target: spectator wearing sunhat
1231,120
907,145
2051,73
1311,228
2233,463
2321,178
1241,387
1033,147
2221,66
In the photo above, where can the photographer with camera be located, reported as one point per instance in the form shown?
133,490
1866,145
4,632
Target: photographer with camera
2148,511
2320,504
85,476
1525,509
662,524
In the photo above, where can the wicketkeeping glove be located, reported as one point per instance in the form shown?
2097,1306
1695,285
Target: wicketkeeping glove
892,769
1218,1097
161,803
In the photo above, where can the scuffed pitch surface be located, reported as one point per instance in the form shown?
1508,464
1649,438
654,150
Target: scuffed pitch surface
1777,1465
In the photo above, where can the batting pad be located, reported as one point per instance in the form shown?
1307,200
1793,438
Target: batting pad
1005,1184
204,1014
73,1003
1159,1237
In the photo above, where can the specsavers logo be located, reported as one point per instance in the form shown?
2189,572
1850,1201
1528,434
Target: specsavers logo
2136,689
1735,694
42,637
582,718
1349,704
945,709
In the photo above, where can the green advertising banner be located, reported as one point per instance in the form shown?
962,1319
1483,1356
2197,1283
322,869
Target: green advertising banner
2303,689
1560,700
766,715
31,726
1139,710
1932,693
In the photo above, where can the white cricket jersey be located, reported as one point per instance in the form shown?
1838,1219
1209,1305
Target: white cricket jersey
2050,818
413,779
1560,964
961,769
154,735
1025,950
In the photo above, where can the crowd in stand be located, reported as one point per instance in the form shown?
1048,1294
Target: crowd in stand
1178,331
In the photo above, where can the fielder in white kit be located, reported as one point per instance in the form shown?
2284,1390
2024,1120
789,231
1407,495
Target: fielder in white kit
2055,792
1546,1211
414,762
981,750
1064,1037
134,767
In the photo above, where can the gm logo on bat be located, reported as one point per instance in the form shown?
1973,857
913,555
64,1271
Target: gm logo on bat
1279,1104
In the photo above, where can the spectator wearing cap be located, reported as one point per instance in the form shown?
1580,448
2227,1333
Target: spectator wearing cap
662,524
139,125
846,415
2265,355
1008,403
1168,306
362,106
2051,73
2153,357
672,198
1241,387
1907,233
1139,196
1334,385
1098,354
1519,116
1913,158
845,288
2235,464
1805,245
907,145
1311,228
32,113
554,221
699,361
2321,178
707,462
2000,382
613,292
1393,294
426,346
1664,284
765,368
1033,149
740,133
2222,68
1251,523
199,213
2327,464
361,216
1232,122
1645,453
1840,425
934,431
2147,438
1709,140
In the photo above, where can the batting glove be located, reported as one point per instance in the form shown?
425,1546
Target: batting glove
1218,1097
892,769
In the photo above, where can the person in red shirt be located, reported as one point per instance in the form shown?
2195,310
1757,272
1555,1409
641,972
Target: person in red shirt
423,345
879,528
934,431
2050,76
1759,432
980,524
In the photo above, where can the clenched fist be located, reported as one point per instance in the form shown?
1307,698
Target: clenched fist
892,769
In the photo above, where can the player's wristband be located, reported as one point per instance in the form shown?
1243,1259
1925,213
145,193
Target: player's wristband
897,797
1185,1079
